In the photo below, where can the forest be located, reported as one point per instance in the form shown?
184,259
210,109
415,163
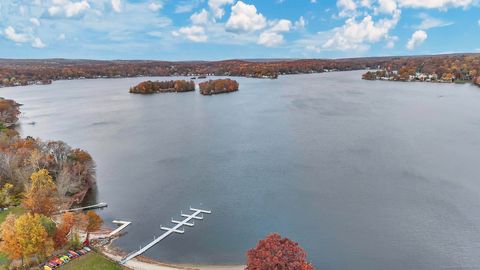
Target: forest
24,72
38,179
150,87
72,169
213,87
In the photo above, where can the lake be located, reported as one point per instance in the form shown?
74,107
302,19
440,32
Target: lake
363,174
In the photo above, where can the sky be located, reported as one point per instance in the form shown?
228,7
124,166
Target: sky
236,29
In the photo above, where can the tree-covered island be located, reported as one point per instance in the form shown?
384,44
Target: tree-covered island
150,87
213,87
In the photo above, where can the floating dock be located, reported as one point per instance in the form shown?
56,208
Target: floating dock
197,214
123,225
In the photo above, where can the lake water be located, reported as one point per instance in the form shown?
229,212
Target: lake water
364,175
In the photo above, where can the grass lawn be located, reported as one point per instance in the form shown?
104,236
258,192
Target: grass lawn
91,261
4,261
12,210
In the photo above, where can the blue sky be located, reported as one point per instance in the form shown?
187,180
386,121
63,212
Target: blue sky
228,29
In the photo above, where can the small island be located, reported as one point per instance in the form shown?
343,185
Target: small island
150,87
213,87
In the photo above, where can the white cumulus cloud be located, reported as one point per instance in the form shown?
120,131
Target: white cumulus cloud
38,43
117,5
68,8
346,7
281,26
200,17
194,33
356,35
441,4
155,6
12,34
35,21
217,7
386,6
301,23
245,18
270,39
418,37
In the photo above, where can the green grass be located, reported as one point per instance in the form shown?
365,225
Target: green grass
4,261
12,210
91,261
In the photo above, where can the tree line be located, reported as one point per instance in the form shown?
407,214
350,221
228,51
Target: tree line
23,72
446,68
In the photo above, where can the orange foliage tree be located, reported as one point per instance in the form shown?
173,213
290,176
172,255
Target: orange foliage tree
10,244
61,234
277,253
94,221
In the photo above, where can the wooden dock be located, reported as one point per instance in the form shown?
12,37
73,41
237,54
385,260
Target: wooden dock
89,207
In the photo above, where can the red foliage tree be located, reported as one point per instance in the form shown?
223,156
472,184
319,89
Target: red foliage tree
277,253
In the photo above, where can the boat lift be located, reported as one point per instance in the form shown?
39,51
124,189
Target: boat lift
197,214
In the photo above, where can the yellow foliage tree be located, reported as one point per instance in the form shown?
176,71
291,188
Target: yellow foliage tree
24,237
32,236
41,194
6,195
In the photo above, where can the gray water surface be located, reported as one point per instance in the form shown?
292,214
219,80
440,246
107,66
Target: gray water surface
364,175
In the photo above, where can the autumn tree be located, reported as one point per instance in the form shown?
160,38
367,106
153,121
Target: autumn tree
63,229
41,194
26,236
6,195
32,236
89,222
9,244
94,221
277,253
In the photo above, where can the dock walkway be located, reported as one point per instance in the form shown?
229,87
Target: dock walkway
175,229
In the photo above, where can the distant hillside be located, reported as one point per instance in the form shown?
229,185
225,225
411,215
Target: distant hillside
15,72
